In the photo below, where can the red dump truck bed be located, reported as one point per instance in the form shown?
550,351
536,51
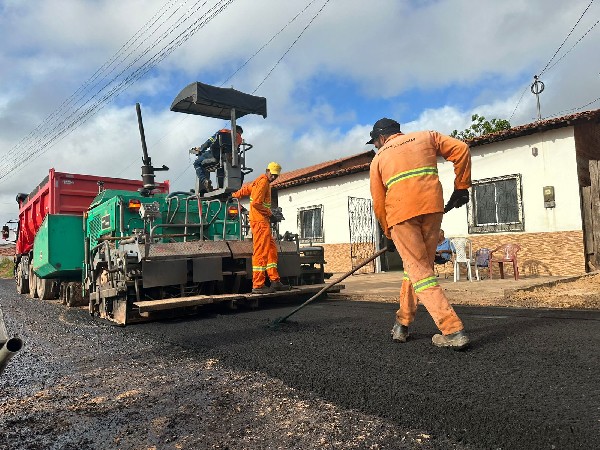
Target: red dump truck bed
64,193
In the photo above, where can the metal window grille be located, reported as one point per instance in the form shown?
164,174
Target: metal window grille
362,236
497,205
310,224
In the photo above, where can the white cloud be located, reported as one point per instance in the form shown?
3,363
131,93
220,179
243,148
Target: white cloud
386,49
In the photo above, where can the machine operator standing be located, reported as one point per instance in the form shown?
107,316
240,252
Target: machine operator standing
408,203
264,254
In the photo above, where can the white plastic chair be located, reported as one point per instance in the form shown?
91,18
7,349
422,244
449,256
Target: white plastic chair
462,254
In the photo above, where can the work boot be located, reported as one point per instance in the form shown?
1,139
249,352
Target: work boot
399,332
455,341
279,286
207,185
263,290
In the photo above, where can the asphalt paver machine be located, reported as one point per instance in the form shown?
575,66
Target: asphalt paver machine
148,254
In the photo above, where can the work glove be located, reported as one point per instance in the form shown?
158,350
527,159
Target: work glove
391,247
276,215
458,198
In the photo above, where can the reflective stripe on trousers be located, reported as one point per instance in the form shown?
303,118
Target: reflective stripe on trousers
264,254
416,241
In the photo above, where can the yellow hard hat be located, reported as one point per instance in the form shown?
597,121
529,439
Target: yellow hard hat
274,168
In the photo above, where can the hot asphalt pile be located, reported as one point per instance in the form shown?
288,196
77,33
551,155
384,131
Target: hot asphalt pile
330,378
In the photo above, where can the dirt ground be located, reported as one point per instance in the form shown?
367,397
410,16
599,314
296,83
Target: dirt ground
577,292
583,293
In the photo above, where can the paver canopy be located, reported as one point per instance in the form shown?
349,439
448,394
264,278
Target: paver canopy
210,101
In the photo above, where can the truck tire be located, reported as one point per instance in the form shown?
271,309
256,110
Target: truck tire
22,285
45,288
73,297
32,283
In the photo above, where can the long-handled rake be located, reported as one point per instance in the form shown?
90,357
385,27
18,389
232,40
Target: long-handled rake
280,320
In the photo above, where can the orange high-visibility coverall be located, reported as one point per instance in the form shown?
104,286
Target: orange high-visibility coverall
408,203
264,255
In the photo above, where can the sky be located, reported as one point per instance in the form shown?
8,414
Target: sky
72,71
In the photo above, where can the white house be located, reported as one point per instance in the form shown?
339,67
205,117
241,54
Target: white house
536,185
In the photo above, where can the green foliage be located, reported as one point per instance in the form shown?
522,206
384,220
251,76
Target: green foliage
481,126
6,268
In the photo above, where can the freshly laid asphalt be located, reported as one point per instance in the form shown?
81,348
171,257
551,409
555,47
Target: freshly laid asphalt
530,379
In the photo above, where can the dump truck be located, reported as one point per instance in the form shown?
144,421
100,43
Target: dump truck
133,251
49,237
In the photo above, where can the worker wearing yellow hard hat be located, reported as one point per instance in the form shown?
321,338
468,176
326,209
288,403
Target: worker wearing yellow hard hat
264,254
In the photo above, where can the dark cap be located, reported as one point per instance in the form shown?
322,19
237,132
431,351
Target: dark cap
384,126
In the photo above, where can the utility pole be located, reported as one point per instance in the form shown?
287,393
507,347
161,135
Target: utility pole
537,87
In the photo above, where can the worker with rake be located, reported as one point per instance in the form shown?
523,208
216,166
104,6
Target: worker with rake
408,203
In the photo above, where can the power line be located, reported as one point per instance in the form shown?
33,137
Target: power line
265,45
116,90
67,125
50,122
518,103
548,66
290,47
568,51
565,40
566,111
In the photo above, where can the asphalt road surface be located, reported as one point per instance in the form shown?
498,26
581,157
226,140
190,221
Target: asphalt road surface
330,378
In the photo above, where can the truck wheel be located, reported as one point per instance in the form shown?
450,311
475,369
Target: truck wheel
22,285
45,288
32,283
74,297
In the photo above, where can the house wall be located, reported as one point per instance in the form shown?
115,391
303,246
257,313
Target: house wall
555,166
552,243
333,195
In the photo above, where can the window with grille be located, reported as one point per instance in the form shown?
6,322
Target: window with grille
496,205
310,224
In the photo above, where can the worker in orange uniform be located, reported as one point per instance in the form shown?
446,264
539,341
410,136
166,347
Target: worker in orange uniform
408,203
264,254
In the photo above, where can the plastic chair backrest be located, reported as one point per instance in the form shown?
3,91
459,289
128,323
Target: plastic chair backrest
462,249
506,252
482,257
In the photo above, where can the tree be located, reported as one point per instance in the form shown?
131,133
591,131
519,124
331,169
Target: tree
481,126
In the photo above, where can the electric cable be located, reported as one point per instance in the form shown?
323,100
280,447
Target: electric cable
267,43
572,110
261,48
50,120
565,40
568,51
518,103
290,47
66,127
548,66
93,109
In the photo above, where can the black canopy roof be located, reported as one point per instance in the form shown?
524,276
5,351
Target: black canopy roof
210,101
